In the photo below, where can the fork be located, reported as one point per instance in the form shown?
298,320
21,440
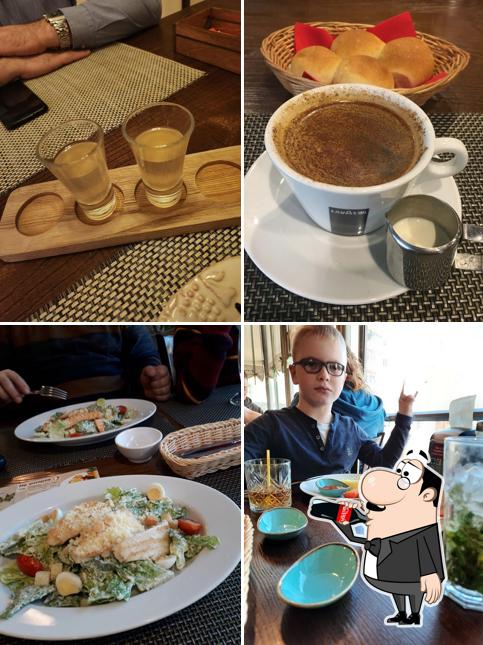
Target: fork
51,392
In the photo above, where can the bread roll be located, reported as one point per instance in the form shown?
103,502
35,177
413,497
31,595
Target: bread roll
409,59
357,42
364,69
318,61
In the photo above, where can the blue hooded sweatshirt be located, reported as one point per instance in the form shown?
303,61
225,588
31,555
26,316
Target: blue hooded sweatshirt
364,408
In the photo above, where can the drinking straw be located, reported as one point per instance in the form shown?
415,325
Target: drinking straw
268,468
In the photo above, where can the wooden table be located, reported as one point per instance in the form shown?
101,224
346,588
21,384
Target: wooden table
214,101
458,21
357,618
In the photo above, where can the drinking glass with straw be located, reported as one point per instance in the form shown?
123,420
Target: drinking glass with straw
269,483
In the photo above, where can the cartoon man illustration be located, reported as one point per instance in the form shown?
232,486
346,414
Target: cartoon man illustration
403,554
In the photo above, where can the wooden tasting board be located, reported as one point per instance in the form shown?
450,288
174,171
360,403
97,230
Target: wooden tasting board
40,220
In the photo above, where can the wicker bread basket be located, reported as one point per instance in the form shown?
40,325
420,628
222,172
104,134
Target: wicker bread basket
197,437
278,50
247,552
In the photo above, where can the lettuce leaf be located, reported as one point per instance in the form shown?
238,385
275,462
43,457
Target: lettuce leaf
197,543
25,596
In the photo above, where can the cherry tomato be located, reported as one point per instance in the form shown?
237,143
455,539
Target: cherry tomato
352,494
189,527
29,565
122,409
77,434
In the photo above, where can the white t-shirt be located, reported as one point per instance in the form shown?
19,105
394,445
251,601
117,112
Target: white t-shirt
323,429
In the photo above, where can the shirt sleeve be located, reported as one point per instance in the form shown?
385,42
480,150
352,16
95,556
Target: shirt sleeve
138,350
429,553
256,437
98,22
372,455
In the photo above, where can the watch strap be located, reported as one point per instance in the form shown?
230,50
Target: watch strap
61,26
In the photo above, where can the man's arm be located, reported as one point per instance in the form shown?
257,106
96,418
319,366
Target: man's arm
26,67
372,455
256,436
27,40
98,22
430,565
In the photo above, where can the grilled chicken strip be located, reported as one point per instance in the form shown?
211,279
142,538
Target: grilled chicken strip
152,543
103,534
76,521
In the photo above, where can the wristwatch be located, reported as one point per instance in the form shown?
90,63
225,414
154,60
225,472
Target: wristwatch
61,26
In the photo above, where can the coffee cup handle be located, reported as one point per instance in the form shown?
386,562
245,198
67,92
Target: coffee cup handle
440,169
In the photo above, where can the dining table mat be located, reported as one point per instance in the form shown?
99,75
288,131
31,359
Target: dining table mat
461,298
212,619
24,457
105,87
216,407
134,285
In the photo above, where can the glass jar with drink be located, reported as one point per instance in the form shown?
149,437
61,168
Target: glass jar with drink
269,483
463,520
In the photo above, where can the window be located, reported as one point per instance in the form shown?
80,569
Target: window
443,361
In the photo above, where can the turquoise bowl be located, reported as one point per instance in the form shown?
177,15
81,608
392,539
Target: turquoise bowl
326,481
320,577
282,523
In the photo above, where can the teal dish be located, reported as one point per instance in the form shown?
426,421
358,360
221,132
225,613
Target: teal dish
336,492
320,577
282,523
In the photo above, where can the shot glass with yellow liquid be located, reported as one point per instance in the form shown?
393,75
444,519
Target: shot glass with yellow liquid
74,153
159,135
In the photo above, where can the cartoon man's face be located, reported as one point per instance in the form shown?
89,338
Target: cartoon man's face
394,500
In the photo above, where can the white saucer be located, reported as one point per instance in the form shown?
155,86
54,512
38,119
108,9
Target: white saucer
300,256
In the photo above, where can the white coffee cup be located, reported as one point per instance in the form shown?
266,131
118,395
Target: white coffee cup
360,210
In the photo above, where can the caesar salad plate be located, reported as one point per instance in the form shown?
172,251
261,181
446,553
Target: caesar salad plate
309,486
141,410
218,514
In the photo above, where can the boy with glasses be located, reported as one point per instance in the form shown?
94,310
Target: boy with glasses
317,440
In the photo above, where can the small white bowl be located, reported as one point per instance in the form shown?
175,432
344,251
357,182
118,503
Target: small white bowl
138,444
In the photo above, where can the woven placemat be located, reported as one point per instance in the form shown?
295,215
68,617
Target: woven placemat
135,285
213,619
105,87
23,457
216,407
460,299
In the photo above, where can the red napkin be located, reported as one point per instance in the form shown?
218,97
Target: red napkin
399,26
306,36
396,27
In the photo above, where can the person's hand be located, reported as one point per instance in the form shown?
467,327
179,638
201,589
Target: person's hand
156,382
431,585
26,67
406,403
352,503
12,387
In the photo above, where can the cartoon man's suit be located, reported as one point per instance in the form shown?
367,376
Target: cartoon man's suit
402,553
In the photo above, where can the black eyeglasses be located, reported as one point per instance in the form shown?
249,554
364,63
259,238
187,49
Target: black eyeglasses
313,366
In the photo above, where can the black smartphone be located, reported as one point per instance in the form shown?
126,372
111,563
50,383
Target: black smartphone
18,105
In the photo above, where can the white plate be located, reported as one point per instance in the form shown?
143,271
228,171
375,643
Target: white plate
300,256
210,296
310,487
26,430
220,517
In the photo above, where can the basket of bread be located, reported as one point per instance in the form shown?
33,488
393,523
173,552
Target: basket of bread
391,54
